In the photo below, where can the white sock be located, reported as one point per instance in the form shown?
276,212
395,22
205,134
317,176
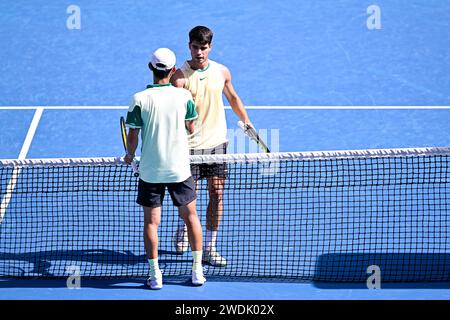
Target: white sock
210,240
154,267
197,256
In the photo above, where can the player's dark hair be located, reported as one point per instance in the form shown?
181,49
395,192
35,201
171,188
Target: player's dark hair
201,34
158,74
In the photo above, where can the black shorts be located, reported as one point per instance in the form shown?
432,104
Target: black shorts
200,171
152,194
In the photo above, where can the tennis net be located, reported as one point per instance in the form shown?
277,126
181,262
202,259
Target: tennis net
309,216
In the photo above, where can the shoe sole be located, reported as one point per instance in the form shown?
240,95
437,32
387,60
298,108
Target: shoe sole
214,265
159,288
154,288
198,282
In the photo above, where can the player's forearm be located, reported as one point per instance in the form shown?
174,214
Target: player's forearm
132,141
239,109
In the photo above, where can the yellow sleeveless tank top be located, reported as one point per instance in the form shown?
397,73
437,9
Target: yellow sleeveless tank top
206,87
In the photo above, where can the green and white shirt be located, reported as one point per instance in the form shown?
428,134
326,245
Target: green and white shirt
160,112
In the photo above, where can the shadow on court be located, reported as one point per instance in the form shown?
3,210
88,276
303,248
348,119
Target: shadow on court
96,284
394,270
383,285
92,263
111,269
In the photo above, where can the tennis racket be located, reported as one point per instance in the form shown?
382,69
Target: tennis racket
253,135
123,131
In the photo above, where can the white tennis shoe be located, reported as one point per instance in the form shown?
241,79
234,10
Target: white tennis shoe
198,279
213,258
155,282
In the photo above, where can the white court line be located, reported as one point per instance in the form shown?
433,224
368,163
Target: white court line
22,155
60,107
228,107
345,107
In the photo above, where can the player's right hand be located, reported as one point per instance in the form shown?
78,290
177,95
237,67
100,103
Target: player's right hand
128,158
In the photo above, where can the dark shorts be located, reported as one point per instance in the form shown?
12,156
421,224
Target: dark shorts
200,171
152,194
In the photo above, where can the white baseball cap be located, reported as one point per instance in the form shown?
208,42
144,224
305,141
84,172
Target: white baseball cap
163,59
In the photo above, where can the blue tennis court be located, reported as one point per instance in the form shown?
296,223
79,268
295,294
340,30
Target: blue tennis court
313,75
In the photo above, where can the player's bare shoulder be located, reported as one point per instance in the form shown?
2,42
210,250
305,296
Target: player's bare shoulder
178,80
225,71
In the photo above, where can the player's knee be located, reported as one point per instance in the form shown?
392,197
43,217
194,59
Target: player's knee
152,222
187,212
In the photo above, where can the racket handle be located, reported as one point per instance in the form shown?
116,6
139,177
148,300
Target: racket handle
242,125
248,130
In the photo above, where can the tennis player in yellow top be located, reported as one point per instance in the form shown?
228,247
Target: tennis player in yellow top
207,80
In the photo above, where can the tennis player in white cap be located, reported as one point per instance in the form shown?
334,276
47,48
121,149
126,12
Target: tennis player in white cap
163,113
